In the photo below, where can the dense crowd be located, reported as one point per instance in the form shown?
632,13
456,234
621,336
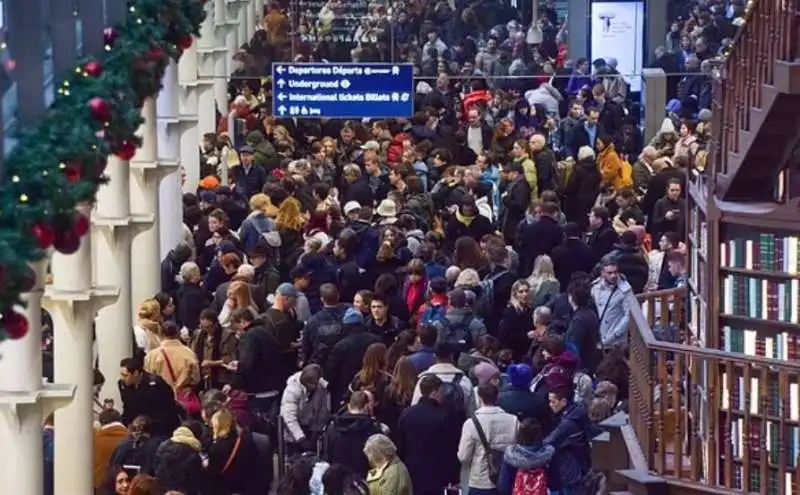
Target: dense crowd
420,305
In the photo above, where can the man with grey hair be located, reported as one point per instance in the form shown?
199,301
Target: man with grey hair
643,170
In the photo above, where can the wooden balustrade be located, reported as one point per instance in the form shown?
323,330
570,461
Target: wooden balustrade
768,35
703,416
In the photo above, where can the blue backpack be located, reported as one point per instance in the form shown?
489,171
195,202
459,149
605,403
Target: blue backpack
434,314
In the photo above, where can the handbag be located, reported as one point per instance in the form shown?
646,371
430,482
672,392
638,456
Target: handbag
232,456
187,398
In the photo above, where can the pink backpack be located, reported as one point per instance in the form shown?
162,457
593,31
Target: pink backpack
532,482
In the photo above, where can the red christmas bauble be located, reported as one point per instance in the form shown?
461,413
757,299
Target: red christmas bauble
126,151
81,225
72,174
45,235
15,325
110,36
94,69
186,42
156,54
67,242
101,110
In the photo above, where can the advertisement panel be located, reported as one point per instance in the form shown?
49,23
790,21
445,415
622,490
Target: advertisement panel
617,31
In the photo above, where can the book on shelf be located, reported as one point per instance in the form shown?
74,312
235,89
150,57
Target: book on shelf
746,341
767,252
743,398
760,298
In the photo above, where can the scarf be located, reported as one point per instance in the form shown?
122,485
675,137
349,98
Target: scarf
184,436
464,219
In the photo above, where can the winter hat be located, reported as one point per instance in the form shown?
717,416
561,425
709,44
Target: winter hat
520,375
352,317
485,372
704,115
184,436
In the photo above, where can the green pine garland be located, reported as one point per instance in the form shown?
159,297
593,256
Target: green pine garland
58,164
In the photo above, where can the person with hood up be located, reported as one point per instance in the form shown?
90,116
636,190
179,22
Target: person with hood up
516,397
264,154
524,463
324,329
345,437
322,272
460,321
347,355
170,268
178,465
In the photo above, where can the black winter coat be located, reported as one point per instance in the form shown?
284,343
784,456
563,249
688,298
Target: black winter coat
515,204
571,256
602,240
584,333
581,192
427,442
456,229
345,361
179,467
535,239
513,330
191,301
360,192
521,402
244,472
260,362
343,442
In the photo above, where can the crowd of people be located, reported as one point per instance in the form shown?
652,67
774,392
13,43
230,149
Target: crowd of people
430,305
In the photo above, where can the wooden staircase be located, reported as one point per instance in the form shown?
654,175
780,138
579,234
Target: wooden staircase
756,92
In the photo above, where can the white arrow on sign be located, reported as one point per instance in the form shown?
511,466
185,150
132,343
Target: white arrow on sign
281,83
279,69
281,96
281,109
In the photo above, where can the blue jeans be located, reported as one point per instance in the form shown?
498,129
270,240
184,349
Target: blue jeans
482,491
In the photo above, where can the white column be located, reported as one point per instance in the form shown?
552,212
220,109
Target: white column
252,18
232,41
111,252
72,301
206,49
169,191
241,22
187,96
24,401
220,71
144,181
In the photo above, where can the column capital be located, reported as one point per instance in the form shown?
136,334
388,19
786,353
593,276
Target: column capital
15,406
96,297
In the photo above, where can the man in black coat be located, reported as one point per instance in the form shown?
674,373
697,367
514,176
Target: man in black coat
427,442
572,255
538,237
148,395
602,236
583,332
344,439
545,161
515,198
357,187
347,355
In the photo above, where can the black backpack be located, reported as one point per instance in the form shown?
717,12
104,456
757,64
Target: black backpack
454,400
457,334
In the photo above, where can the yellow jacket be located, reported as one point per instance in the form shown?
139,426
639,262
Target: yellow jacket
531,177
391,479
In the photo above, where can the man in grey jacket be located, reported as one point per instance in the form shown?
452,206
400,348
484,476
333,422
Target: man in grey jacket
610,293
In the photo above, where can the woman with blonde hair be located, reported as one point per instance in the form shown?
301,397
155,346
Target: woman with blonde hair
389,476
289,223
543,282
239,297
517,320
147,331
260,219
233,458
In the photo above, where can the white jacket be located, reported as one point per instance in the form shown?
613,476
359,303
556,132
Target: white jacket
294,396
447,373
500,428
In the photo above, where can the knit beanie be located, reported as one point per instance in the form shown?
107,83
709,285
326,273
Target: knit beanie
485,372
520,375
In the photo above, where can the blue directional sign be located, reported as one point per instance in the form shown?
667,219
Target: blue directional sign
343,91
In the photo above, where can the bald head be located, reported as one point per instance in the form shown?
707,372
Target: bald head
649,154
537,142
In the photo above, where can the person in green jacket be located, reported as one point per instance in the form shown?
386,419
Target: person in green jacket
388,475
522,155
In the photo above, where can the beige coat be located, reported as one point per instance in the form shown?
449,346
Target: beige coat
501,431
183,361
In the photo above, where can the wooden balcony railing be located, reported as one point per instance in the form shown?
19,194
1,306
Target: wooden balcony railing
710,418
768,35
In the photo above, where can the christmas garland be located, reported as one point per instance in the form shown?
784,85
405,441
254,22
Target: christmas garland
59,163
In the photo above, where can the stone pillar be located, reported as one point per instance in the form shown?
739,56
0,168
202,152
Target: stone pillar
232,40
146,174
187,96
654,99
253,18
112,226
578,28
206,50
72,300
24,400
169,191
241,22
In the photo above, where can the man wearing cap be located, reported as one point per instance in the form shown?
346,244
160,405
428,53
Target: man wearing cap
516,197
249,179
